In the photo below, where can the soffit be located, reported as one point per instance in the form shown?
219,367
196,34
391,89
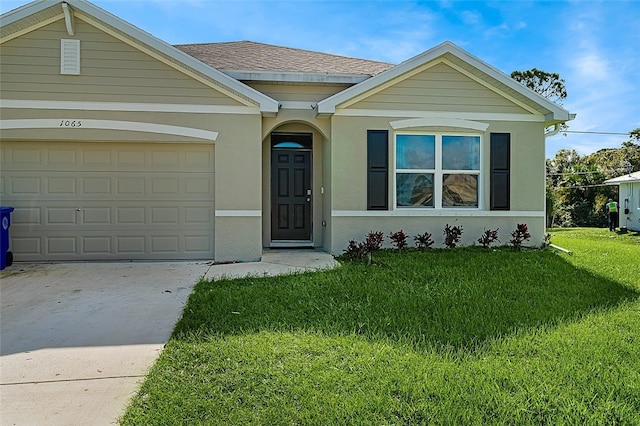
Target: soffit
30,22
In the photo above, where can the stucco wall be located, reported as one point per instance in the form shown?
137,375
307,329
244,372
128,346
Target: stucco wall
351,220
120,84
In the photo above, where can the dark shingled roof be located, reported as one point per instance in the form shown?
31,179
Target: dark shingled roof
252,56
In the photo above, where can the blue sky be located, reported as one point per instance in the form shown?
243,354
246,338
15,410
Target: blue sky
593,45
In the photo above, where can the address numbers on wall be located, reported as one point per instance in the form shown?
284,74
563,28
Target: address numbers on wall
70,123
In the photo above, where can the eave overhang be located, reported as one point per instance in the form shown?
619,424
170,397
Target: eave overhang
296,77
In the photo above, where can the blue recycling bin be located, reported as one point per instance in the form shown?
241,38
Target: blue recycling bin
6,257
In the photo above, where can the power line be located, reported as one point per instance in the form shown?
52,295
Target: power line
582,186
588,172
595,133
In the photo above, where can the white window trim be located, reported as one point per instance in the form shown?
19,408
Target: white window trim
438,173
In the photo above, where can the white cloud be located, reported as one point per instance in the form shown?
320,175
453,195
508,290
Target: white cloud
591,67
471,17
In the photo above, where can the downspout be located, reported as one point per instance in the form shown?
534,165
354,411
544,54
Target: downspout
556,129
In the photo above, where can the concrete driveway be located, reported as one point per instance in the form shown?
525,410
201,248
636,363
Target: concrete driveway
77,339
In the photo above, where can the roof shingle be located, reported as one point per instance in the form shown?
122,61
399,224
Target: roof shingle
260,57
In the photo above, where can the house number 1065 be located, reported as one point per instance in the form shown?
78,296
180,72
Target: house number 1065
70,123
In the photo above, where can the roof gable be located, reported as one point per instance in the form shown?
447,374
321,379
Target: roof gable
437,86
465,63
42,12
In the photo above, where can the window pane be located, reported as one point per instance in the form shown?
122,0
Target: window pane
459,190
461,152
414,189
415,152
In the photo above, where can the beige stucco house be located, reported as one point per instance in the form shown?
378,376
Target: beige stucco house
119,146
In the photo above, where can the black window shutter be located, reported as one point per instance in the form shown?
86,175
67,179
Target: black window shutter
500,165
377,169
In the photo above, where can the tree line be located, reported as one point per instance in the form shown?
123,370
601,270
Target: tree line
576,193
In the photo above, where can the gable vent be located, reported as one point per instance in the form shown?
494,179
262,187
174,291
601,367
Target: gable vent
70,57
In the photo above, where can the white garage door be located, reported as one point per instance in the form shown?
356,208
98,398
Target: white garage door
109,201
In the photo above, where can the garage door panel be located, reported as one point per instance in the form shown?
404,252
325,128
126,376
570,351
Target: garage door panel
62,245
165,186
62,156
197,215
102,215
60,216
27,248
26,216
97,245
96,185
24,186
109,201
165,215
96,215
129,246
96,157
168,244
61,185
130,185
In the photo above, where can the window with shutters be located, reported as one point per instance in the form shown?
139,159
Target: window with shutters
436,170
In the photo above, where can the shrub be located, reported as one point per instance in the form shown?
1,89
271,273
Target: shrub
373,242
355,251
423,241
452,236
488,237
399,239
520,235
363,250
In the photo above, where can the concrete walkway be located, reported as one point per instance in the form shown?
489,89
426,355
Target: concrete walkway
77,339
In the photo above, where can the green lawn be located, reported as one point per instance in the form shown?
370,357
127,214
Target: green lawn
463,336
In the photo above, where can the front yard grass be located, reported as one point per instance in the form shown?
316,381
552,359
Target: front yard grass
463,336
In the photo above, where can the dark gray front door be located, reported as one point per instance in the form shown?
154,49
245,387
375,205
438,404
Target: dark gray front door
290,192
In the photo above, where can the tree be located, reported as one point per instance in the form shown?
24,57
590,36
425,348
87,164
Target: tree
547,84
576,193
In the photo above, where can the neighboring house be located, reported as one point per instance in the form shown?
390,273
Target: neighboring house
116,145
629,201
